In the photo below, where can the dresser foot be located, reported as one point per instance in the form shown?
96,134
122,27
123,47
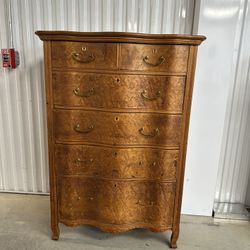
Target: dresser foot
55,233
174,238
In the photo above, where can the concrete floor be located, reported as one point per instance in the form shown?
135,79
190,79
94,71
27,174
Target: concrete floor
24,225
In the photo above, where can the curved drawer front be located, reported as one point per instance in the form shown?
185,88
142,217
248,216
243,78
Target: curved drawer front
159,93
116,202
116,162
117,128
162,58
84,55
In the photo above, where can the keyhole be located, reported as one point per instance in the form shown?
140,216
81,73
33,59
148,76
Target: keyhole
116,118
84,48
118,80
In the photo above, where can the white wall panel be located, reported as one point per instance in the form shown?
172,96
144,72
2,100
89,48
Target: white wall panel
23,148
234,166
215,83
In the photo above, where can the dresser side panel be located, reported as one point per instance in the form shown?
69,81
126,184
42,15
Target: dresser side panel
52,170
184,136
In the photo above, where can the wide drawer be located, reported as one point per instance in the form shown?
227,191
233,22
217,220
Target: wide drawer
163,58
116,162
84,55
117,128
116,202
160,93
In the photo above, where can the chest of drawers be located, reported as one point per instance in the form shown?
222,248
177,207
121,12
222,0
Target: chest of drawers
118,108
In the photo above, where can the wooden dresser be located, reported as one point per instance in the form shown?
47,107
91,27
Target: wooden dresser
118,108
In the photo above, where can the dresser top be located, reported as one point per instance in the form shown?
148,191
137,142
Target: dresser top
121,37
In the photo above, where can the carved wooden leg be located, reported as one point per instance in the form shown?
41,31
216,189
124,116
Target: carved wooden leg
174,238
55,232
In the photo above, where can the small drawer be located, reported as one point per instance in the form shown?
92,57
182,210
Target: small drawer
117,128
158,93
157,58
84,55
146,203
116,163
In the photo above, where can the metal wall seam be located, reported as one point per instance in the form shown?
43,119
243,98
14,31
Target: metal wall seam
20,124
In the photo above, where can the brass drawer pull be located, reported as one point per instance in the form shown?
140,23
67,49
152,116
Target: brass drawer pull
160,61
83,131
78,161
86,94
146,204
144,95
90,58
153,134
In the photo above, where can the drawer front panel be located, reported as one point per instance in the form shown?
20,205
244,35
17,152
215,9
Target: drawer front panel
116,162
117,128
118,202
84,55
119,91
165,58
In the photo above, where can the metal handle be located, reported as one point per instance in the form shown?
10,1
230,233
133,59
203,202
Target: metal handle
160,61
83,131
86,94
90,58
144,95
78,161
153,134
153,163
146,204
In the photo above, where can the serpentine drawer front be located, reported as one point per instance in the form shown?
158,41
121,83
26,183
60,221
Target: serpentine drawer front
95,90
116,163
118,107
80,55
117,128
118,202
163,58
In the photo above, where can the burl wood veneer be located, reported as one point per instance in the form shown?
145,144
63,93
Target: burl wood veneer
118,107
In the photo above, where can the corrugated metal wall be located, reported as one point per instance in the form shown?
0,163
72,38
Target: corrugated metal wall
234,164
23,148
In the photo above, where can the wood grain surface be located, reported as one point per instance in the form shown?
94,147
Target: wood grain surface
165,58
140,92
116,163
117,128
118,108
120,37
129,203
89,55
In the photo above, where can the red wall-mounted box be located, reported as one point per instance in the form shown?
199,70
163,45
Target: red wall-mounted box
9,58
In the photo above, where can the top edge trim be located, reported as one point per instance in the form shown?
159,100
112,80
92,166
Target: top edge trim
120,37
